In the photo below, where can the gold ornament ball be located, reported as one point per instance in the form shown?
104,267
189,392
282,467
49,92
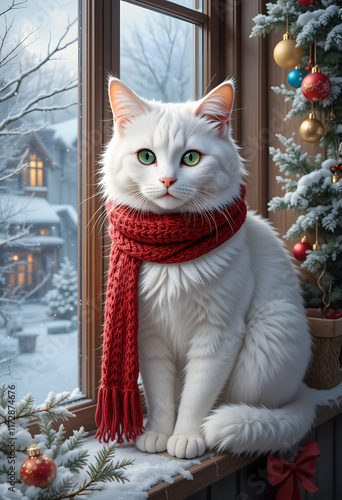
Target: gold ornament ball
316,246
335,178
286,54
311,130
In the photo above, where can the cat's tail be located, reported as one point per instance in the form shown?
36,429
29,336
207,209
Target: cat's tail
241,428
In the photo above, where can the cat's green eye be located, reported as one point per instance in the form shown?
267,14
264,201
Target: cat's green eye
146,157
191,158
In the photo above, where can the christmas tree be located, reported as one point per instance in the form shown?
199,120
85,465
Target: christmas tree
62,299
69,454
312,186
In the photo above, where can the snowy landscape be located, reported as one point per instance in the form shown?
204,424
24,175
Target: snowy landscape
53,366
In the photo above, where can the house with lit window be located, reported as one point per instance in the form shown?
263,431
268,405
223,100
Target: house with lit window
39,206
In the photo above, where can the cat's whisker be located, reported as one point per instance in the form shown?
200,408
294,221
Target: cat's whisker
94,215
204,208
207,214
90,198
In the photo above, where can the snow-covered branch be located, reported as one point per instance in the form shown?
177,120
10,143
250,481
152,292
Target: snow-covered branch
30,108
13,171
17,81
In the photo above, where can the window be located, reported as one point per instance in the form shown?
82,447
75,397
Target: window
160,55
33,175
20,272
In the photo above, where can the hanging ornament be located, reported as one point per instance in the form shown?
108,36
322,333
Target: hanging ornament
335,170
311,129
316,86
38,470
300,249
285,53
306,3
296,76
316,245
332,116
309,66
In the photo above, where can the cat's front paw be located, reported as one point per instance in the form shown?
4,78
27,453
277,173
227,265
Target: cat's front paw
152,442
182,446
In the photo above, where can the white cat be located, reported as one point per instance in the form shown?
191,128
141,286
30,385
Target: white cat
223,339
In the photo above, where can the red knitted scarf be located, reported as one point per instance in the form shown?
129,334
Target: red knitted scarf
165,239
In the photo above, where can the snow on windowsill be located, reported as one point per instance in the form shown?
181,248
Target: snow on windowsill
331,397
147,471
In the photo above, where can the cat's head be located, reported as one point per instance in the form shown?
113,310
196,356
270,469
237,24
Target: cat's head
167,158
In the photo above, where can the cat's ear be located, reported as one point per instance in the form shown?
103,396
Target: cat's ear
126,105
217,106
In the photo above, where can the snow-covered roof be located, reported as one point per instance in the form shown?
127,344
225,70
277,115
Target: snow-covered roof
65,132
18,209
42,241
70,211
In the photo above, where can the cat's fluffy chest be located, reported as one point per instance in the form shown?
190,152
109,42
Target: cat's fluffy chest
175,298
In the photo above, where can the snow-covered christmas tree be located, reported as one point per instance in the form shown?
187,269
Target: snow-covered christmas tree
312,186
62,299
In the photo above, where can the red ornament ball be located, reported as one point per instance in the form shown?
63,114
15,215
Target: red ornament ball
306,2
316,86
300,249
336,167
333,314
38,471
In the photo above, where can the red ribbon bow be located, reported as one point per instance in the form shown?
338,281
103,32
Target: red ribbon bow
286,474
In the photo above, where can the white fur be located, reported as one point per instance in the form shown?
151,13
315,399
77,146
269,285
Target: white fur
223,339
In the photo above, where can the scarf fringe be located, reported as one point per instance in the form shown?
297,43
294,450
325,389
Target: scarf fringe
119,413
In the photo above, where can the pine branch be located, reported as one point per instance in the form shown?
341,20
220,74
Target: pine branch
59,490
76,463
103,470
48,411
75,441
3,396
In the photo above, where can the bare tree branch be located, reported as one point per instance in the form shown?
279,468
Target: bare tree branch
16,237
5,59
28,108
15,171
18,80
22,131
10,370
13,6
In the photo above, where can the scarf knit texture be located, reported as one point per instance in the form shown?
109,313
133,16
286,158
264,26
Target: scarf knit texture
136,237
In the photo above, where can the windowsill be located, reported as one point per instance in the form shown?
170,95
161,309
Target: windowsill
214,468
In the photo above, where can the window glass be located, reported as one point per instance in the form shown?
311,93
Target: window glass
190,4
38,197
160,56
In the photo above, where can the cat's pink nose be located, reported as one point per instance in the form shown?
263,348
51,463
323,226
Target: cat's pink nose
167,181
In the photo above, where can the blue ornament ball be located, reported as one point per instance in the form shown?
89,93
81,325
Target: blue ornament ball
296,76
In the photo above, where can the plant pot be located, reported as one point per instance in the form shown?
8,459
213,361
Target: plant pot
27,343
324,370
